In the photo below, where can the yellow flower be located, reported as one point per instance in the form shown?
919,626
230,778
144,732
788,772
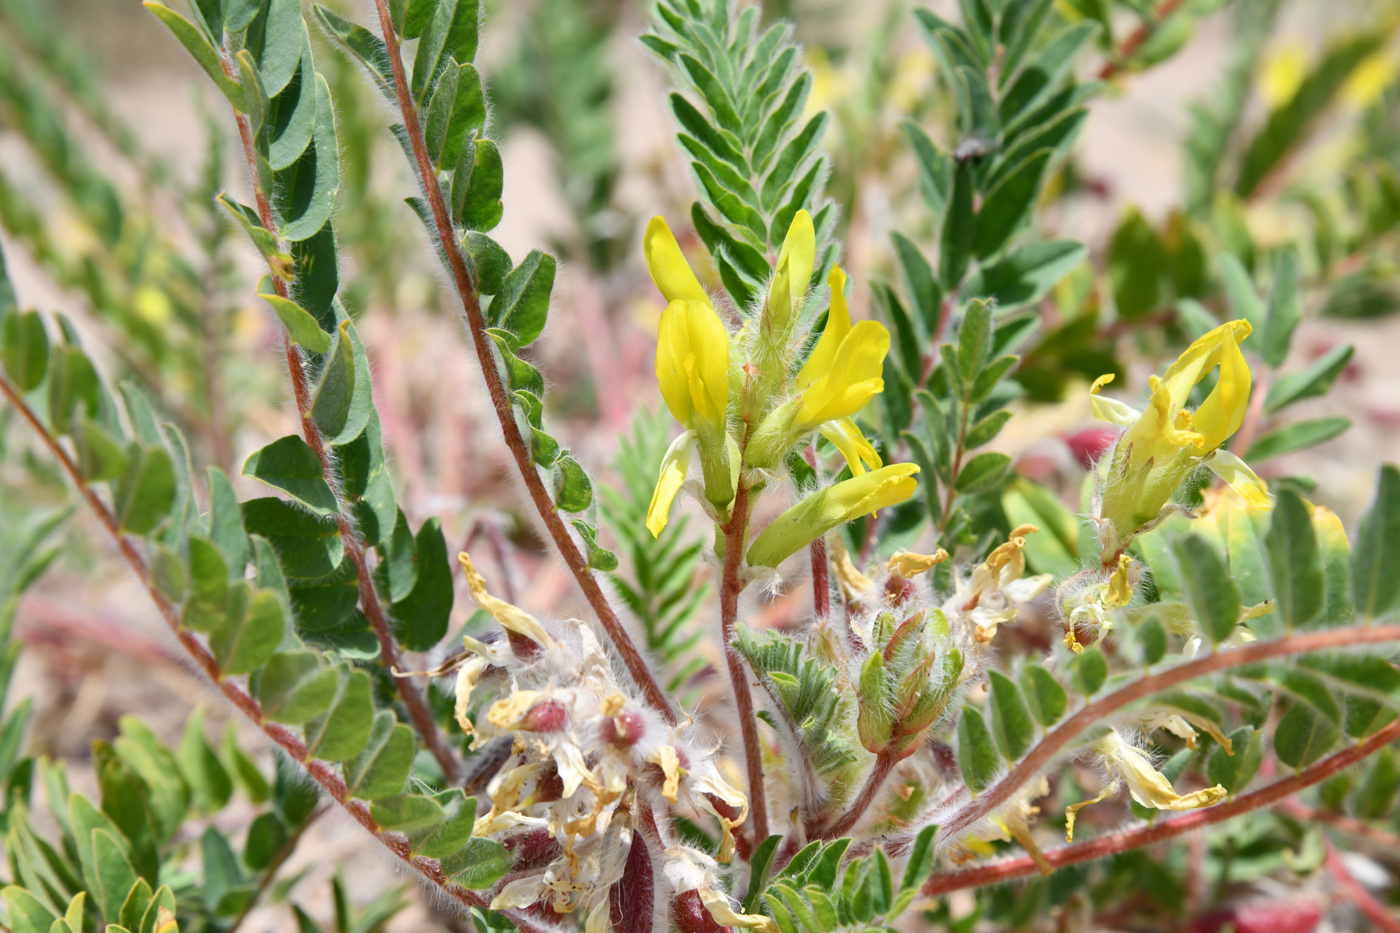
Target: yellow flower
692,369
1166,442
1128,765
840,378
834,505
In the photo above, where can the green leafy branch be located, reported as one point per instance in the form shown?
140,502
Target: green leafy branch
756,161
460,176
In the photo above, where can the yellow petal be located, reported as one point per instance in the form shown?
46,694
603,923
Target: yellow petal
692,364
793,273
838,325
1223,411
847,438
511,618
673,469
1200,358
1241,478
853,379
667,265
909,565
665,757
717,903
876,490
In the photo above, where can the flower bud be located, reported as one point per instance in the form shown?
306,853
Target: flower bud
834,505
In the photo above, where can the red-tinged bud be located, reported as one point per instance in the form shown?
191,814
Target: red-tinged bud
1265,917
534,849
1090,444
899,589
631,901
690,915
524,648
548,716
625,729
550,786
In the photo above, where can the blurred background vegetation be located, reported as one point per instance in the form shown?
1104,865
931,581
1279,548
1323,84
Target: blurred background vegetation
1231,150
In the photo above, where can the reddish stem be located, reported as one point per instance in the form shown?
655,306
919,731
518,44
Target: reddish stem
321,772
884,766
500,401
1165,829
1096,712
735,533
413,700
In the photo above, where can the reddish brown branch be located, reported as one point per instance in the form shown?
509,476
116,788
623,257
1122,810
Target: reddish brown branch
1379,838
1165,829
519,449
288,741
1060,738
414,703
735,535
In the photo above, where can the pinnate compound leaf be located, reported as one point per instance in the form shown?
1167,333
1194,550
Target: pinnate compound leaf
146,491
1295,564
1316,380
306,545
365,46
419,620
1044,695
522,304
304,193
301,326
24,349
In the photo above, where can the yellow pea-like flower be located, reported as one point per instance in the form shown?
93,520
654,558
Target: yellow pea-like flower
1126,764
842,375
1166,441
834,505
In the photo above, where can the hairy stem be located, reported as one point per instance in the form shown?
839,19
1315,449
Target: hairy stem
735,535
884,766
1094,713
558,532
1164,829
413,700
289,742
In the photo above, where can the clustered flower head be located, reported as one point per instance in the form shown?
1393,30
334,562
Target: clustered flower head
907,679
741,407
1165,443
585,758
